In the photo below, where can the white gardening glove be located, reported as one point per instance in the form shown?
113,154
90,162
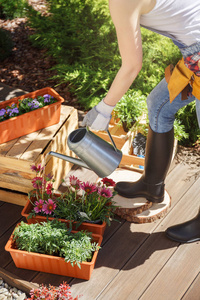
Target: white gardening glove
98,118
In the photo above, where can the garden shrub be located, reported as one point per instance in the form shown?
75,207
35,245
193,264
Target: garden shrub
187,118
10,9
6,44
158,53
130,108
80,36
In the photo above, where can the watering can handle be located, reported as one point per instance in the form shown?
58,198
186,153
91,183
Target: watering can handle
112,141
109,134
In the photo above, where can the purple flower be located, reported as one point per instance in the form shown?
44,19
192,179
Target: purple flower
2,112
16,110
12,111
47,98
34,104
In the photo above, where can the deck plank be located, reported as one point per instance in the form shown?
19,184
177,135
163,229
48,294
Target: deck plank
10,214
193,293
184,265
140,271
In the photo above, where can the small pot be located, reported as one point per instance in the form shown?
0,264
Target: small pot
125,127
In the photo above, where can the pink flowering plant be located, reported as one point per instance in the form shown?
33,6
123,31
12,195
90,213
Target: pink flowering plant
51,292
81,202
24,106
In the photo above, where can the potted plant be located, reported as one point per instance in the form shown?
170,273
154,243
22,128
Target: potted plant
28,113
84,205
129,109
51,247
50,292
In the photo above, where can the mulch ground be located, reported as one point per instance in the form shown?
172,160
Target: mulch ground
29,68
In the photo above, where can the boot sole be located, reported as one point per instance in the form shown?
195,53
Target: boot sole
181,241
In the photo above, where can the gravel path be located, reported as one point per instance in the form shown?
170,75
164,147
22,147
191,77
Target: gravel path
10,293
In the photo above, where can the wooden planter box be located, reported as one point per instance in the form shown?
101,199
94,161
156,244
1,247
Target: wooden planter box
52,264
32,121
91,227
123,141
18,155
118,134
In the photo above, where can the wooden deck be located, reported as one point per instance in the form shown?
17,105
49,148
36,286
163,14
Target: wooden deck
136,261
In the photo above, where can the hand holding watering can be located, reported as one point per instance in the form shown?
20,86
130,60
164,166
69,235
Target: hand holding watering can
94,152
98,118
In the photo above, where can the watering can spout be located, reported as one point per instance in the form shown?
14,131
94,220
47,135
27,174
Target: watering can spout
70,159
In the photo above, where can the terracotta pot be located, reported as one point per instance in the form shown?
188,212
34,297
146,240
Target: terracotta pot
32,121
91,227
52,264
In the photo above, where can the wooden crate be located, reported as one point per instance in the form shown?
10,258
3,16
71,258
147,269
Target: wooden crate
129,160
118,134
18,155
123,141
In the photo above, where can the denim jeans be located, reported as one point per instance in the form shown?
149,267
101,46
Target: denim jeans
160,111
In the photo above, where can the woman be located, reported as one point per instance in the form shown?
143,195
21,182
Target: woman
179,20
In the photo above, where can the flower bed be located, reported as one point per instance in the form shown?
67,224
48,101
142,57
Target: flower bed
28,113
84,205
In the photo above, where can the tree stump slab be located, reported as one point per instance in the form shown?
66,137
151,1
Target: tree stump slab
137,210
130,206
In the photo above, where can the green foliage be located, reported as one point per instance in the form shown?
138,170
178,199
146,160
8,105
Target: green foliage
6,44
179,131
81,37
54,238
11,9
187,118
130,108
158,53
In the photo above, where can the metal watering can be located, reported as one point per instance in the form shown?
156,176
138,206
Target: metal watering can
94,152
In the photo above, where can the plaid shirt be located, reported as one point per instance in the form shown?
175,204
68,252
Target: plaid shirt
192,62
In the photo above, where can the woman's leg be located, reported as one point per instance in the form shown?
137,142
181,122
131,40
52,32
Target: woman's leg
159,148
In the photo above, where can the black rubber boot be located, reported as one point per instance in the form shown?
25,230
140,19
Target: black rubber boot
187,232
159,150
